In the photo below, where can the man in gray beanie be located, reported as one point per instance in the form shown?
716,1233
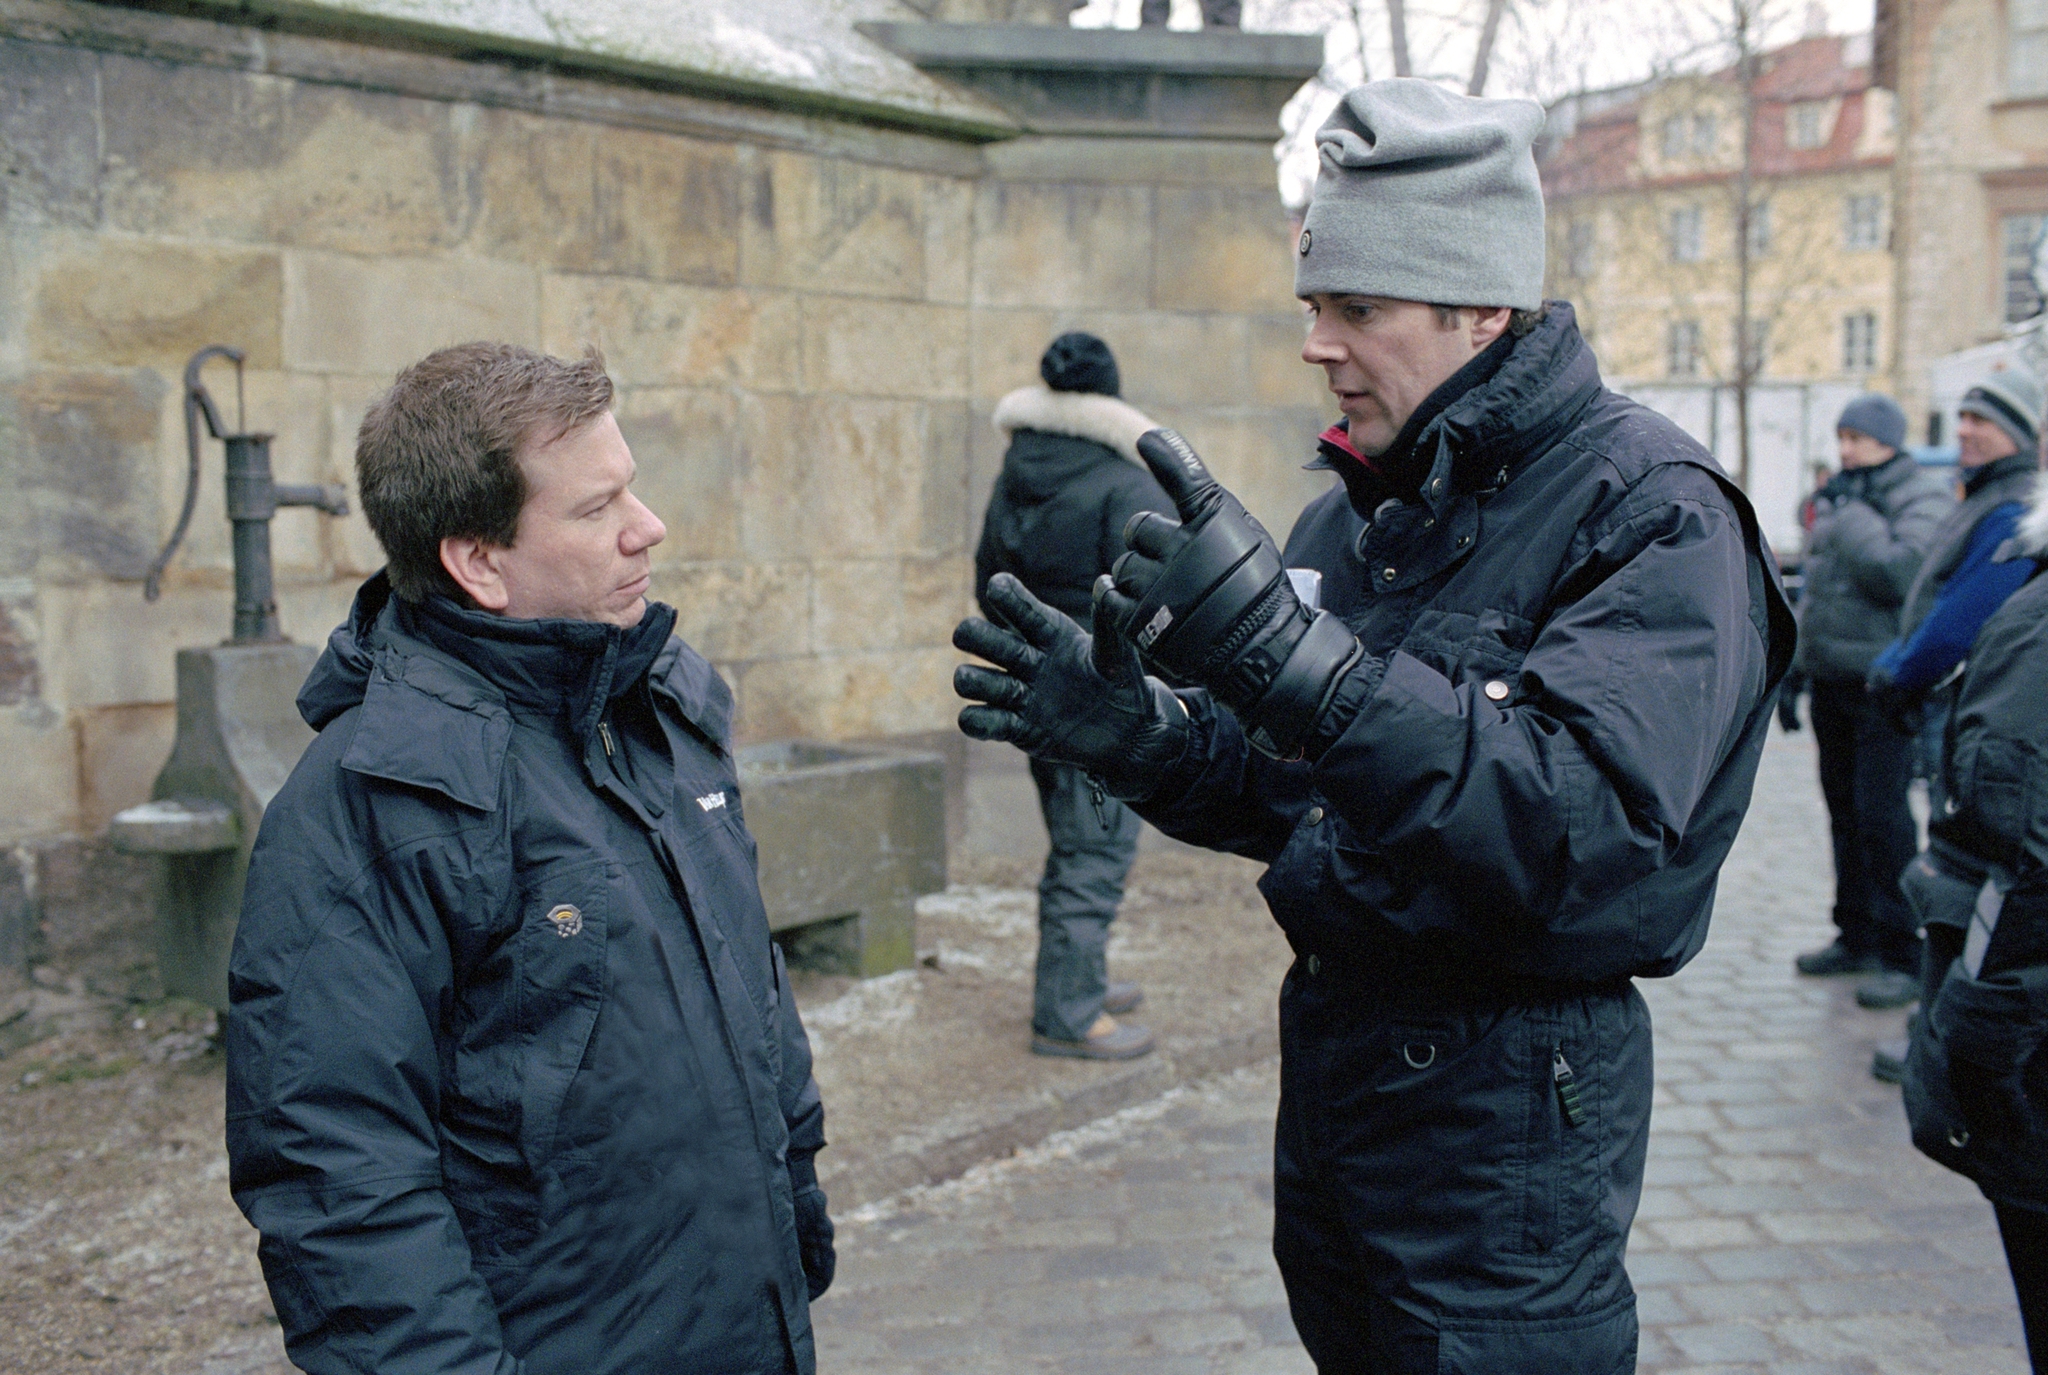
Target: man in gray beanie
1494,755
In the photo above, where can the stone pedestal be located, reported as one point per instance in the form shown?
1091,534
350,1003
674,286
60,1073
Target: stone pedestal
239,735
849,838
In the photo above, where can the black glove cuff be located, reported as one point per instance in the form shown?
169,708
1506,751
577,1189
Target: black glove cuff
1286,714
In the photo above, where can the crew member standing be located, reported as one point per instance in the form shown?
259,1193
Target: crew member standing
1071,478
1872,524
1494,776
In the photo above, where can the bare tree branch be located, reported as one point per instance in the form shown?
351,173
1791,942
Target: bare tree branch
1488,32
1397,33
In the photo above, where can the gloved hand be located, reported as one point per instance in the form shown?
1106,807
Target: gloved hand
1905,710
814,1240
1788,700
1066,697
1207,601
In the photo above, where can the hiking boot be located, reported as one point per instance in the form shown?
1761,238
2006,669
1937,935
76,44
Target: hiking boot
1889,988
1888,1061
1106,1040
1836,959
1122,998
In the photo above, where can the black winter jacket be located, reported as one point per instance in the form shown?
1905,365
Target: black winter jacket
1071,478
1872,527
1573,633
1976,1084
515,1083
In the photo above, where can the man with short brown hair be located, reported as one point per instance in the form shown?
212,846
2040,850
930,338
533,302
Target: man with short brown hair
515,1080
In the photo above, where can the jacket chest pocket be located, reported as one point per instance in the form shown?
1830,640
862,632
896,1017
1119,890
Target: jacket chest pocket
564,918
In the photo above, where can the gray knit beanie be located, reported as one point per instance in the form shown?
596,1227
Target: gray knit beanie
2011,400
1876,415
1426,196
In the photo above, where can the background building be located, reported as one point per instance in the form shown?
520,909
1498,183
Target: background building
1972,184
1645,186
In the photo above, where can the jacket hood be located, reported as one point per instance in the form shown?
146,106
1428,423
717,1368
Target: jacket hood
1105,420
2032,535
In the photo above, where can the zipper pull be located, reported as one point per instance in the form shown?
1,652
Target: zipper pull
1567,1088
1098,797
604,734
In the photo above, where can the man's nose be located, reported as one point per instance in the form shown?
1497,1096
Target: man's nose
644,530
1321,345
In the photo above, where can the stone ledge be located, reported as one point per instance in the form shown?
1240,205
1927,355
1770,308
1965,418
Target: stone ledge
1117,82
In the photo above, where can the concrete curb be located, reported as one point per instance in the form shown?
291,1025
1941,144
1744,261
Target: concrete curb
962,1140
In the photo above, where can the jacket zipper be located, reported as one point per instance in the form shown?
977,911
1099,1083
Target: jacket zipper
1099,796
604,734
1567,1088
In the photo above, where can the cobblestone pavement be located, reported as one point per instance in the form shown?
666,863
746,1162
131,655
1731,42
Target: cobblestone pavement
1787,1224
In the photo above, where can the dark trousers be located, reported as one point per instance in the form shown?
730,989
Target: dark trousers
1077,898
1866,766
1216,14
1436,1211
2026,1251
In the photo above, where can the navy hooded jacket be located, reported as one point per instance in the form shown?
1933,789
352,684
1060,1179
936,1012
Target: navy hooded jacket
515,1083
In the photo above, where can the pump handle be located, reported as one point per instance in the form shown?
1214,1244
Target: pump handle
197,404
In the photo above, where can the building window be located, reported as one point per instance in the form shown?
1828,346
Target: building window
1756,347
1578,248
1863,222
1682,348
1759,229
1806,124
2022,236
1859,342
1689,136
2026,48
1674,138
1683,229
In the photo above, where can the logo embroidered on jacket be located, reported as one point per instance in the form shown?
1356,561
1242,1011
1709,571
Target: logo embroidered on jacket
711,802
1307,238
567,919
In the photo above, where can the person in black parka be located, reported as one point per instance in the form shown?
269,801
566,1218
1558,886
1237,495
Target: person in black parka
1493,775
1071,479
1976,1077
516,1085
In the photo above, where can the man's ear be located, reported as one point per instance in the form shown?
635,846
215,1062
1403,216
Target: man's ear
474,566
1488,325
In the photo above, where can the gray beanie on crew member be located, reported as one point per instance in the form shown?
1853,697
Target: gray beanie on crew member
1426,196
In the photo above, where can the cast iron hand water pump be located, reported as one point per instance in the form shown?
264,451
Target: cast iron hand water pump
239,732
253,498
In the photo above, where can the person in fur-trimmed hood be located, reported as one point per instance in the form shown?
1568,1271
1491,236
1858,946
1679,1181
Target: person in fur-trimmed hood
1976,1074
1071,479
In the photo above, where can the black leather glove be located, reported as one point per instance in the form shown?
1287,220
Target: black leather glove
814,1240
1207,601
1788,700
1067,697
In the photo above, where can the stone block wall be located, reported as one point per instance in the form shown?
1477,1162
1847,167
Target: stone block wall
809,322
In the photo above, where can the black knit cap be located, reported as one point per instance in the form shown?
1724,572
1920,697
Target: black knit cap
1080,362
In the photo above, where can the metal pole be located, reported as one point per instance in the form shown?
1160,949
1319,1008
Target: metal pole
252,501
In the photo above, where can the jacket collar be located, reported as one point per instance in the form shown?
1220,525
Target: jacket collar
1976,479
439,686
1504,408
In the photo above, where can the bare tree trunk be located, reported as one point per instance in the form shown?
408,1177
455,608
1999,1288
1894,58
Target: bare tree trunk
1397,31
1748,348
1482,59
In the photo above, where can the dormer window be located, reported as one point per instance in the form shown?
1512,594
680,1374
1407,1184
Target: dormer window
1689,136
1806,124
